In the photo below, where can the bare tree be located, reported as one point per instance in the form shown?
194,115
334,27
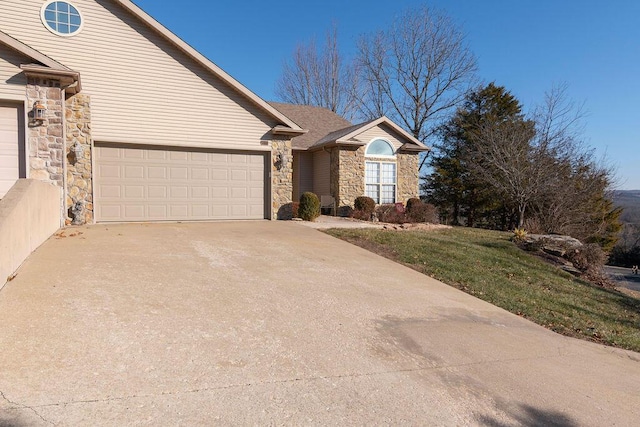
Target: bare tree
320,77
542,165
505,158
416,71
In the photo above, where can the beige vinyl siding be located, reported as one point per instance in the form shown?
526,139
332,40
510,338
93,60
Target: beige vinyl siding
380,131
142,88
322,173
302,174
12,80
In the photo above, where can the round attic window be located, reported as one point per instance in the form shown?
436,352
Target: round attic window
61,18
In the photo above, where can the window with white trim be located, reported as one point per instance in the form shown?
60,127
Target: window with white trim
380,175
380,180
379,148
61,18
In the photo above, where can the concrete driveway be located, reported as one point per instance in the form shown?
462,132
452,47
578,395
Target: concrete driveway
277,323
624,277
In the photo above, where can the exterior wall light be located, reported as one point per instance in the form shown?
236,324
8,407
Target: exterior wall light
39,111
38,114
279,160
78,151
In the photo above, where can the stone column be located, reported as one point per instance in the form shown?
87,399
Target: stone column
408,176
79,199
347,176
281,177
45,140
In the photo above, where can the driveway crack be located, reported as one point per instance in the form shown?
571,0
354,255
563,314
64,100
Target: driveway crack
283,381
20,405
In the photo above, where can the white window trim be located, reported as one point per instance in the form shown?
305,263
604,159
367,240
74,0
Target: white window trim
380,156
53,31
380,184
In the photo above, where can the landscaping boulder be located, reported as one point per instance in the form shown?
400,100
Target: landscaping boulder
553,244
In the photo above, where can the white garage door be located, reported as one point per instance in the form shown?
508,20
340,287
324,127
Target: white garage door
9,143
160,184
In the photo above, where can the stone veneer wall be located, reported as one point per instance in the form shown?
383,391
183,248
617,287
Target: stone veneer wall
348,170
347,175
282,180
79,198
408,176
45,139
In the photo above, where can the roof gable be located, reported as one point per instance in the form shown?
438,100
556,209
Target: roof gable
209,65
28,51
326,128
44,66
357,130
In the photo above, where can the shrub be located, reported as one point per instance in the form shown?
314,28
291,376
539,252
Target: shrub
391,213
365,204
412,203
519,235
361,215
588,258
294,209
422,212
363,208
309,207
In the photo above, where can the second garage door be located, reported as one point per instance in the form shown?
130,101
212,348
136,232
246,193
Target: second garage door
160,184
9,148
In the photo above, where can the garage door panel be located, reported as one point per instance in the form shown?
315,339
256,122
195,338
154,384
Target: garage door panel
133,154
9,147
199,173
179,155
134,172
134,191
153,184
157,211
179,173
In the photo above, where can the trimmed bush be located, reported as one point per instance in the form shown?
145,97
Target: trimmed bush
363,208
365,204
294,209
309,207
422,212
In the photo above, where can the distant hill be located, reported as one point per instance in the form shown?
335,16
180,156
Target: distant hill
629,200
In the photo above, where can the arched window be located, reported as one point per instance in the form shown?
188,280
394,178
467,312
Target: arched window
379,148
380,175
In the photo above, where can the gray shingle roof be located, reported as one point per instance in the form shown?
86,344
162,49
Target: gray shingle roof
326,128
319,121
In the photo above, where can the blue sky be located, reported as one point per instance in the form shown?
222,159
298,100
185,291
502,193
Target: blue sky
526,46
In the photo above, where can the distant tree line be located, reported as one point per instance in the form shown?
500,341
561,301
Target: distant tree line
626,252
492,166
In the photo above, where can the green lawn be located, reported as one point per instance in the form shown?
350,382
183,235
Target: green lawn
488,265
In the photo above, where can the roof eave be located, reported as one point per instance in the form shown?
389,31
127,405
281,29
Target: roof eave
286,130
26,50
337,143
412,148
69,79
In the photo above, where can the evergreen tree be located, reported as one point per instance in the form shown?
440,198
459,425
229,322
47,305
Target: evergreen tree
452,186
